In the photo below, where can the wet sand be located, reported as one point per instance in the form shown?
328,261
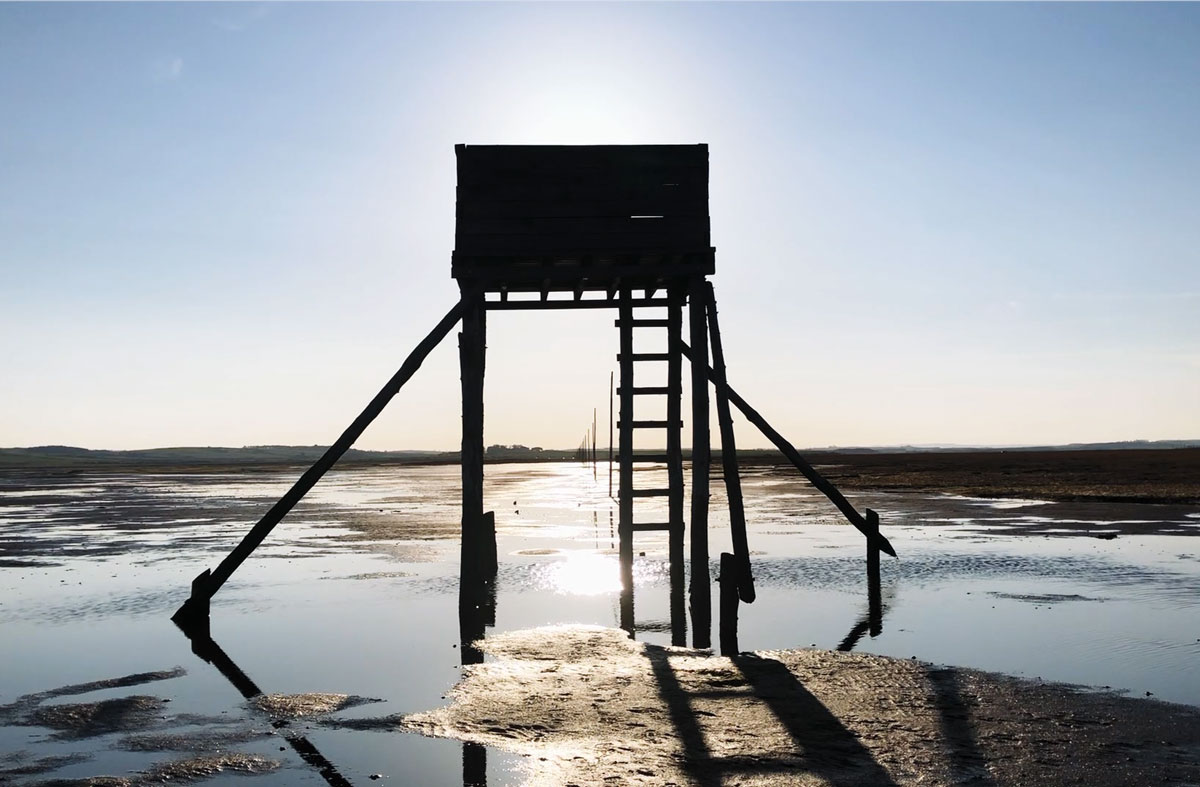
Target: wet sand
590,706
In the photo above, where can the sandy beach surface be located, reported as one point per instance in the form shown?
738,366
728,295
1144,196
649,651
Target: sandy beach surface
588,705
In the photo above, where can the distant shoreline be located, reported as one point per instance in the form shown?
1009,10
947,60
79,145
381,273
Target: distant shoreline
72,456
1140,473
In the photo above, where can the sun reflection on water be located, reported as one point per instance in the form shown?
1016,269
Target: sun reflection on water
584,574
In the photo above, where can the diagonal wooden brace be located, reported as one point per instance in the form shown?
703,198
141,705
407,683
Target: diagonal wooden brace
205,586
816,479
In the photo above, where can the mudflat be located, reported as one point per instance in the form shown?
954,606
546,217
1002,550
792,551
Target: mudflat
349,623
1116,476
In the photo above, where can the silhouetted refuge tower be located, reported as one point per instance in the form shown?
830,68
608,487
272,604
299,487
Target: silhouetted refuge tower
623,227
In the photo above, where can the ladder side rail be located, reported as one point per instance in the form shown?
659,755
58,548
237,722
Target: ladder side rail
625,440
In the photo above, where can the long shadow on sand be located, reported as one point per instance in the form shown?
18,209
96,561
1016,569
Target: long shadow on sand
968,765
822,744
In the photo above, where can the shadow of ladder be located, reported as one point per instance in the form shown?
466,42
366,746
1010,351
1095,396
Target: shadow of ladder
822,745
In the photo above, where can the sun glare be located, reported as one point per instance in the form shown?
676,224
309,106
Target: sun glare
585,574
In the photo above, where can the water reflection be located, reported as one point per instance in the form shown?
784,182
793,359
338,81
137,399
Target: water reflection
476,612
678,624
207,649
872,621
584,574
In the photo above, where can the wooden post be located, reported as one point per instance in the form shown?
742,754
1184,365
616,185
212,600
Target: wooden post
625,494
626,604
729,463
471,347
730,581
699,590
874,595
675,462
201,595
872,546
205,586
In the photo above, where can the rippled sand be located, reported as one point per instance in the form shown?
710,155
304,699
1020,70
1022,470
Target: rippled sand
590,706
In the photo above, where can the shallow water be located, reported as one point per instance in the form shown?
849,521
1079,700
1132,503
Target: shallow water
356,593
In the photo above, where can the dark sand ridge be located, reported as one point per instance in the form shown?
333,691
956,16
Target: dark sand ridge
206,753
198,747
589,706
1130,476
1148,475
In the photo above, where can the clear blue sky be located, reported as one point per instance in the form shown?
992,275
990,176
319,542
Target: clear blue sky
227,224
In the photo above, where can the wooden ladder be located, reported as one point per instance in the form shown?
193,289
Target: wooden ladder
628,423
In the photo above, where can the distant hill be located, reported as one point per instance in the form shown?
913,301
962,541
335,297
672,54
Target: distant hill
63,456
1120,445
69,456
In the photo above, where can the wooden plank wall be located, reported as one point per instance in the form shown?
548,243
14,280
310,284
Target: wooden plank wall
547,199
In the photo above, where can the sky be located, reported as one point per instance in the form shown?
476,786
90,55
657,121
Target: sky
946,223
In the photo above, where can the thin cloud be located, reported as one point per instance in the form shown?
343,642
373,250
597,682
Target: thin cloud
1126,296
238,19
167,70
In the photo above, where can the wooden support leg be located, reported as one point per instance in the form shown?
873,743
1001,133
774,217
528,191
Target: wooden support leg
729,463
471,343
700,592
675,462
872,546
730,580
628,623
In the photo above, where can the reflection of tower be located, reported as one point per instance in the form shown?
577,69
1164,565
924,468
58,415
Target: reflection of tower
872,622
474,765
206,648
476,611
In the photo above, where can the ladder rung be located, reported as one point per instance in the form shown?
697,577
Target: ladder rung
643,323
651,424
647,357
646,390
647,526
663,492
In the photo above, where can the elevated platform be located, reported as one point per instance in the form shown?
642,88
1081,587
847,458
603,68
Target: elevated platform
560,218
